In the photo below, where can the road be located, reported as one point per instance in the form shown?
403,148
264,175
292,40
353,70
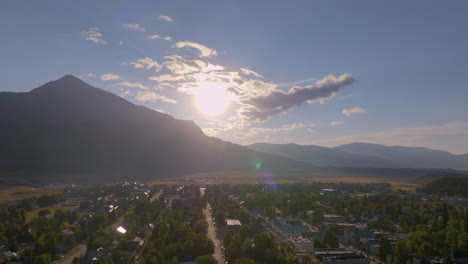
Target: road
359,252
79,251
218,254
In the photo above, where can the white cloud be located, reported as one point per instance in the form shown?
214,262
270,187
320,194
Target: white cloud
166,18
150,96
134,27
109,77
167,38
133,85
355,110
178,65
283,129
93,34
211,131
147,63
336,123
250,72
89,75
203,50
167,78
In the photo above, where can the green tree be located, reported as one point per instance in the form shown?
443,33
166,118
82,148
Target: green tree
385,249
42,259
329,238
244,261
206,259
400,254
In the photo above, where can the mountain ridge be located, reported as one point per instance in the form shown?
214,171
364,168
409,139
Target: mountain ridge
360,154
70,127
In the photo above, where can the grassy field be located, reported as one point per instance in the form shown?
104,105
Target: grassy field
30,215
13,193
253,177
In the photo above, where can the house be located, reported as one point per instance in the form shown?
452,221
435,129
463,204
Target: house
333,218
302,245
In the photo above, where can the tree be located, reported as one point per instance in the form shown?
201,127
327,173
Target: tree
329,238
385,249
244,261
400,254
220,219
206,259
42,259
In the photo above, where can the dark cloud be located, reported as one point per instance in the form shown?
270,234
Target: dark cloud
261,108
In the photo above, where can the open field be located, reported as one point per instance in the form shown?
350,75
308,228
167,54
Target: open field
254,177
12,193
30,215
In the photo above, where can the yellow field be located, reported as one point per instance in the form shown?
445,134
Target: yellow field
12,193
252,177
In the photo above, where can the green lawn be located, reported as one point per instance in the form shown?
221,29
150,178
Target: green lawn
30,215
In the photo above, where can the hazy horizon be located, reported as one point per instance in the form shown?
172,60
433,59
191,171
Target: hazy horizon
313,73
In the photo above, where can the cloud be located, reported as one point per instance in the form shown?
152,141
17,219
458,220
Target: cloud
133,85
159,37
147,63
166,18
283,129
89,75
250,72
178,65
336,123
261,108
109,77
355,110
93,34
167,78
150,96
134,27
211,131
203,50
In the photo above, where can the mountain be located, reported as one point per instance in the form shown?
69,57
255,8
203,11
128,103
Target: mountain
69,129
409,157
367,155
320,156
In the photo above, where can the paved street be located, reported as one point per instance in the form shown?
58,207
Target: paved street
79,251
218,254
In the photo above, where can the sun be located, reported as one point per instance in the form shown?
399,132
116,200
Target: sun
211,100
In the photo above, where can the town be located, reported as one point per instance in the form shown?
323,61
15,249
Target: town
326,223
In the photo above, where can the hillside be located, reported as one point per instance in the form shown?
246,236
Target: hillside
69,129
367,155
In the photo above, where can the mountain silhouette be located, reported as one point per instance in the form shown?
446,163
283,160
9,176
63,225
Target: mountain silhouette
367,155
69,129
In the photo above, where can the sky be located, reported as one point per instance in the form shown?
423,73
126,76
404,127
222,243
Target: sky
308,72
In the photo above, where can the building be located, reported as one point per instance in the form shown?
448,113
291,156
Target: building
351,259
233,224
338,255
333,218
291,227
302,245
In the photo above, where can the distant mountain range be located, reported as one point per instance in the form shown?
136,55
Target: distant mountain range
69,131
367,155
67,128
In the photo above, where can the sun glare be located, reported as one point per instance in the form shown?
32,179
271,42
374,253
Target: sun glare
212,100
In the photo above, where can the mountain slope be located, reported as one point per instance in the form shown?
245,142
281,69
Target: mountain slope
67,127
408,157
321,156
367,155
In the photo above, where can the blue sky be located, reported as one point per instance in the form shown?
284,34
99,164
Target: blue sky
311,72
